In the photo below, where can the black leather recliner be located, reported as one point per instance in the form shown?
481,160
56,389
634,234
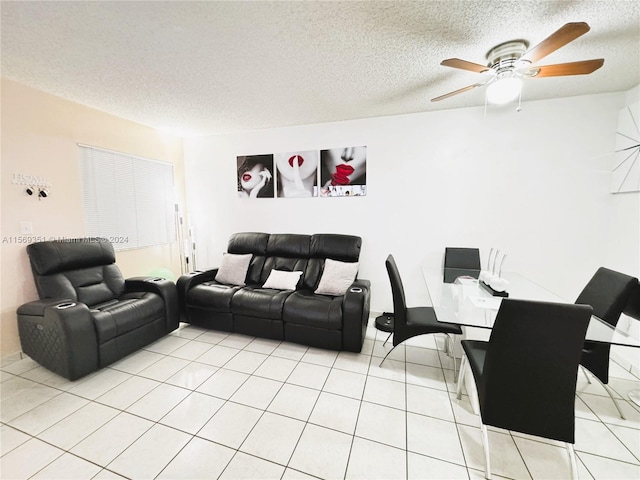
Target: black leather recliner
88,315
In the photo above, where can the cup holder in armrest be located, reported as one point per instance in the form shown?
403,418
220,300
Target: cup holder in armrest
65,305
355,290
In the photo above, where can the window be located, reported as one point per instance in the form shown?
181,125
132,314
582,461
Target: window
128,200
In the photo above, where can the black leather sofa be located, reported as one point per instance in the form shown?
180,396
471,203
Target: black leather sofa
88,315
336,322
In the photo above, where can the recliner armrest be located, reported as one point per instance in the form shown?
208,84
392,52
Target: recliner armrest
160,286
189,280
355,311
59,334
38,307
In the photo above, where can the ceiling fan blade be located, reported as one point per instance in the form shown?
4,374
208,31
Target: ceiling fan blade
574,68
567,33
456,92
464,65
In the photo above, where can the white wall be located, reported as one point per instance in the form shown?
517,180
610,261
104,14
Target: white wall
534,184
623,244
40,136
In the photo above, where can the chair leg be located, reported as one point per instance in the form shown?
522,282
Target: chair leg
450,351
385,342
573,461
385,357
613,398
463,364
485,447
474,399
615,401
584,370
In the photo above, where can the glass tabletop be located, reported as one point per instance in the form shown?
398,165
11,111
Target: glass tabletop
458,297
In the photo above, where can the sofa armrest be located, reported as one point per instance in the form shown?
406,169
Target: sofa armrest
355,311
187,282
163,287
59,334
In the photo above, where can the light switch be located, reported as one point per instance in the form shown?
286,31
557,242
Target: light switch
26,228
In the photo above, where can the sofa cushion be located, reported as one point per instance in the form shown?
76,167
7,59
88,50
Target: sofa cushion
307,308
212,296
91,285
115,317
344,248
282,280
288,252
82,269
233,269
259,302
254,243
337,277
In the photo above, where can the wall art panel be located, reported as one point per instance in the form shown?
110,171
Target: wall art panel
255,176
343,172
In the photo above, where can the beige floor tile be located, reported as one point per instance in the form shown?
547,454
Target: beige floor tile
322,452
244,466
150,453
198,459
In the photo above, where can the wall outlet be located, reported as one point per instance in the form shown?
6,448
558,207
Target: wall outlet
26,228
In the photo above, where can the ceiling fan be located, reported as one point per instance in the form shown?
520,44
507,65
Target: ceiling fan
510,62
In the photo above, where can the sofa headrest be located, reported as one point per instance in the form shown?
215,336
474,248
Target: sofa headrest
288,245
345,248
70,254
248,242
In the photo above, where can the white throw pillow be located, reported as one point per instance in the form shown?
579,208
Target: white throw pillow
233,269
281,280
337,277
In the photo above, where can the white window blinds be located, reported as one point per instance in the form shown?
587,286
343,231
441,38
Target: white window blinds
128,200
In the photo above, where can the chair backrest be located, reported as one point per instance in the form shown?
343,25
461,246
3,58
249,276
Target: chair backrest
633,303
607,292
461,261
397,292
530,370
81,269
465,258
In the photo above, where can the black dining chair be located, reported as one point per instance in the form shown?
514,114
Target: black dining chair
413,321
607,292
525,375
632,308
461,261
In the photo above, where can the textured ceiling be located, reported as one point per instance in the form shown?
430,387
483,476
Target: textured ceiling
211,67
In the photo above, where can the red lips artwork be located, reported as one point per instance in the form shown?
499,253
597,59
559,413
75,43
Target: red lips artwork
341,177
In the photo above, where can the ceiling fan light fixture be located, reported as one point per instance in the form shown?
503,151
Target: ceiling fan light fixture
510,62
505,89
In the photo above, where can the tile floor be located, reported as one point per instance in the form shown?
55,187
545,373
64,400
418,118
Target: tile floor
203,404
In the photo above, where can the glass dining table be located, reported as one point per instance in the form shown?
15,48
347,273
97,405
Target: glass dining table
457,296
464,301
